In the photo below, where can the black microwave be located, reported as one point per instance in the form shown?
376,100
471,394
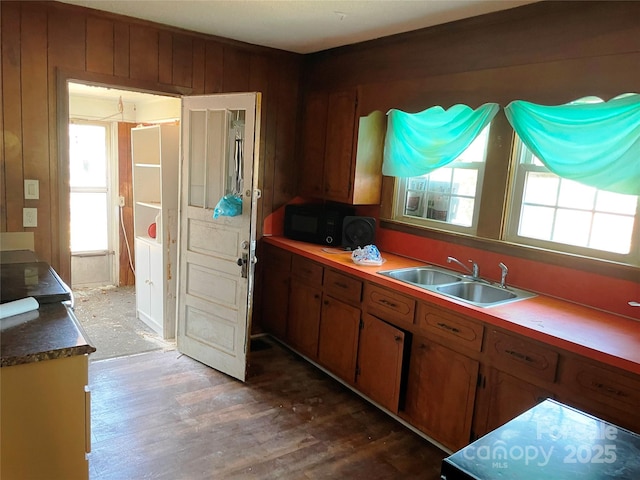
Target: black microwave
315,223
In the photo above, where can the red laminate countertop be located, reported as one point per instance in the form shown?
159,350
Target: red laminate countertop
605,337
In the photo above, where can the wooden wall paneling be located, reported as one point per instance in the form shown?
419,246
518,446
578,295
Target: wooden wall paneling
121,49
235,76
269,130
198,73
35,121
100,45
547,83
540,32
125,189
284,186
165,57
67,39
12,186
67,50
213,67
182,65
143,53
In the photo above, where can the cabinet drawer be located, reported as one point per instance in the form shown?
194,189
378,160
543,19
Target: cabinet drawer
389,305
608,386
342,286
306,270
520,355
276,258
458,329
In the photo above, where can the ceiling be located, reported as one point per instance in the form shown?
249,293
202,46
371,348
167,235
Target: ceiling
301,26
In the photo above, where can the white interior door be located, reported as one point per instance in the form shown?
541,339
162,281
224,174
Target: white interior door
216,256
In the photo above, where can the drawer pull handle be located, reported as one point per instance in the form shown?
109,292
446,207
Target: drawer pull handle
397,338
447,327
609,390
341,285
519,355
388,303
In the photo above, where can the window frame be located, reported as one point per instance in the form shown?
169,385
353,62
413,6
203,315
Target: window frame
514,212
401,188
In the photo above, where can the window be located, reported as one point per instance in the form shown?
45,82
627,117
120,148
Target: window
89,187
560,214
449,197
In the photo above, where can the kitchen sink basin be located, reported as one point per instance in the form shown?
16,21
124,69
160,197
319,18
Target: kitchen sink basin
483,294
477,292
422,276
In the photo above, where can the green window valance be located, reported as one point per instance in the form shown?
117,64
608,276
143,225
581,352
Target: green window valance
590,141
419,143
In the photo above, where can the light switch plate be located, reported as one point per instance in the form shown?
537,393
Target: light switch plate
29,217
31,189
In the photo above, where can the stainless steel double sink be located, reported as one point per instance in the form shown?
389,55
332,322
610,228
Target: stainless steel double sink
477,292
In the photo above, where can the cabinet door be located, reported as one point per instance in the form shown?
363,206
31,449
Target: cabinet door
380,352
275,300
441,391
338,345
304,318
314,134
508,397
338,161
143,296
156,287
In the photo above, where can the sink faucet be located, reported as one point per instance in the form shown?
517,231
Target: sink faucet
474,271
503,278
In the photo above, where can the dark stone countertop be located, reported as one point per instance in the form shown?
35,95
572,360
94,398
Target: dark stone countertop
48,333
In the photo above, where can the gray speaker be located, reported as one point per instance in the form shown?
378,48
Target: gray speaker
358,232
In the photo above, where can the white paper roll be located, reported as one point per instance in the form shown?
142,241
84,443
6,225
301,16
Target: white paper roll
17,307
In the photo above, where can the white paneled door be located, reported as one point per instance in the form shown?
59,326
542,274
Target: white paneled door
220,135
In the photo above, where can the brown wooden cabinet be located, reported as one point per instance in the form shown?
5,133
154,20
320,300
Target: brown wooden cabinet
608,393
342,152
339,332
380,360
275,290
305,304
314,134
503,397
519,373
440,394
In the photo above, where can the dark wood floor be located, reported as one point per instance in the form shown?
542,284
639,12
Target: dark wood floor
160,415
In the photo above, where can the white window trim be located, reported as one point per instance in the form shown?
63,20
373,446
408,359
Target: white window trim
514,211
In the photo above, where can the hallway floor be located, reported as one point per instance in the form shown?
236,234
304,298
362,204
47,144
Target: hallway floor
108,316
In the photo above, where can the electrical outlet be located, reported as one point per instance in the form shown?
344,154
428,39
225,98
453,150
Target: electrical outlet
121,201
29,217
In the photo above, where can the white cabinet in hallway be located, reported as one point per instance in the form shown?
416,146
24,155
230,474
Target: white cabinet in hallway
155,153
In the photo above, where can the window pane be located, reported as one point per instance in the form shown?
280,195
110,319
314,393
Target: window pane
461,211
603,225
572,227
576,195
536,222
541,188
465,181
616,203
87,155
88,221
438,207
